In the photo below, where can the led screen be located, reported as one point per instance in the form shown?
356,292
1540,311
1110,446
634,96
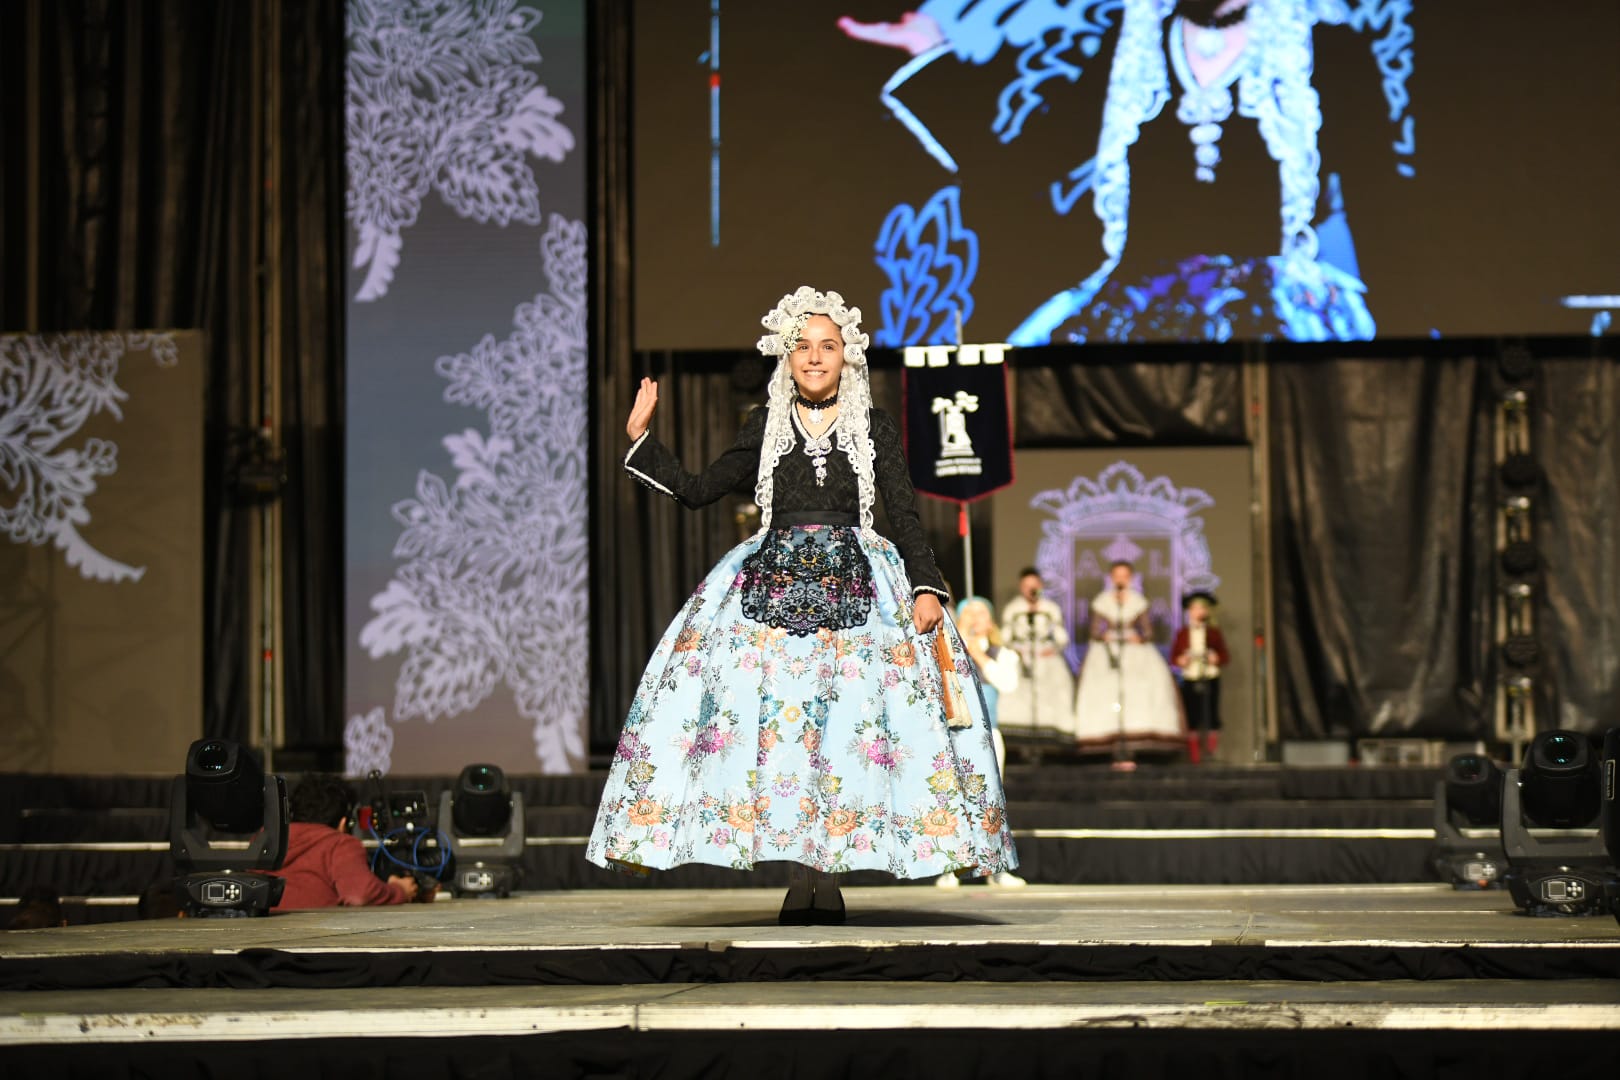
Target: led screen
1084,171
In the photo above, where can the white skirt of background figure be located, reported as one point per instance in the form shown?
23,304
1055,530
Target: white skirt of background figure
1142,682
1045,696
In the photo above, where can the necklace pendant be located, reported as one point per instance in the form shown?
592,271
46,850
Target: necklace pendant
1209,42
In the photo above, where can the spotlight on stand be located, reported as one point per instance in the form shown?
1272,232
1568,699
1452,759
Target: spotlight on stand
1609,814
224,791
1468,824
486,825
1557,864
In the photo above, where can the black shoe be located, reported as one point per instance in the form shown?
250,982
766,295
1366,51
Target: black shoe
794,913
828,916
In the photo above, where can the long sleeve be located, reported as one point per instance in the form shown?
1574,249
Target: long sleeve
900,504
356,885
1060,636
1217,647
651,462
1002,671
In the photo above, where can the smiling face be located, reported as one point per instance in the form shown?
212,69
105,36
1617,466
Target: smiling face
818,358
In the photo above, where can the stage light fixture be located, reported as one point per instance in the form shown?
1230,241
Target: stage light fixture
224,791
1517,364
1468,824
1557,862
1521,651
1560,781
483,801
1609,814
485,818
1519,472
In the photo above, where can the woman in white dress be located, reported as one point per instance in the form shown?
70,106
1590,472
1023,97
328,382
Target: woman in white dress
1127,696
1032,624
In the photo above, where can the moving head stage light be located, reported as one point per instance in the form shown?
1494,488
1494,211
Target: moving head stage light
1468,824
1609,812
224,791
1557,863
486,824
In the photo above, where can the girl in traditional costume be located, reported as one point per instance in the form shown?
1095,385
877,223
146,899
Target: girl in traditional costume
998,669
1200,654
1127,696
1032,624
795,710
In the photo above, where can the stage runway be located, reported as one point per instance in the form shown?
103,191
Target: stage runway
1419,956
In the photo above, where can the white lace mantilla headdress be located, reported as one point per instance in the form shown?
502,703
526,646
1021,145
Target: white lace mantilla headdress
785,322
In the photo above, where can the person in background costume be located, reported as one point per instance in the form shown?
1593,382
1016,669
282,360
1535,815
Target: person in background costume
795,710
1127,696
1032,624
1199,652
997,668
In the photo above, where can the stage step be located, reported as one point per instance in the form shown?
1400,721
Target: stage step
899,1030
102,841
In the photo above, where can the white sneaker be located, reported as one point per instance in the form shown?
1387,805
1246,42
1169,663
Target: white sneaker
1007,880
948,881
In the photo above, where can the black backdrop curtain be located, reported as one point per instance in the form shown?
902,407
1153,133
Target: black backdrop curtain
1576,441
1381,521
1066,398
137,194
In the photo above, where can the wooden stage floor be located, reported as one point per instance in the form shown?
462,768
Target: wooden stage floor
1280,957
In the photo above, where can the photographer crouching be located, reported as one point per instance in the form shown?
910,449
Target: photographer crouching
325,865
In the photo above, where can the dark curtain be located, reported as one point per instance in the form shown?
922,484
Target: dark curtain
1064,401
1382,522
138,195
1576,441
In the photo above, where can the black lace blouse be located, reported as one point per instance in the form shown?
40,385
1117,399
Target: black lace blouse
796,497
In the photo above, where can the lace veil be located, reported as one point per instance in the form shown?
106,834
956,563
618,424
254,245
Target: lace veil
785,322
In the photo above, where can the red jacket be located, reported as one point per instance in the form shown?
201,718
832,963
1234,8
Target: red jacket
1214,644
325,868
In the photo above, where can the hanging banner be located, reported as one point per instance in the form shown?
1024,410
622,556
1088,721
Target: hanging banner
958,433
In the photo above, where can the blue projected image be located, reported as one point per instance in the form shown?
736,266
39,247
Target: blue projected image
1217,254
930,261
1060,172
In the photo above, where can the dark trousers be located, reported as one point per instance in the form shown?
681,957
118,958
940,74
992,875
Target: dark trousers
1202,701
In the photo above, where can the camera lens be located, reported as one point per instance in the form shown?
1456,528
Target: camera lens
1468,767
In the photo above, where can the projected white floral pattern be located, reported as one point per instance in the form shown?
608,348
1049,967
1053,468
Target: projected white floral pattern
492,589
368,743
50,386
439,98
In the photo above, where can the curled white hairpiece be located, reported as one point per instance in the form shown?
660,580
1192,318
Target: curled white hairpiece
786,323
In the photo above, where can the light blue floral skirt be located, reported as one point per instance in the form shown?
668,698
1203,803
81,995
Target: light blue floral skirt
748,743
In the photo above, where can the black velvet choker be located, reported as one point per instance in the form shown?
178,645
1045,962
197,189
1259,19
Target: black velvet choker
815,406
